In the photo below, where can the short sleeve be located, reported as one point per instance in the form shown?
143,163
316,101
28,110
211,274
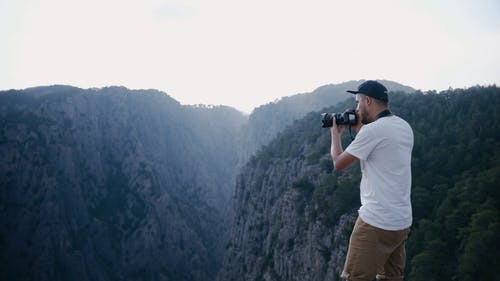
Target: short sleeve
363,144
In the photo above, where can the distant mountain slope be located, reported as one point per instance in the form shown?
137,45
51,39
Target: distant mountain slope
293,214
268,120
112,184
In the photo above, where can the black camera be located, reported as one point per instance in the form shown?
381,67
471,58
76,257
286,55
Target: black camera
348,117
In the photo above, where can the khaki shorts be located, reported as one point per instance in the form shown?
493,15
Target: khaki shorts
375,253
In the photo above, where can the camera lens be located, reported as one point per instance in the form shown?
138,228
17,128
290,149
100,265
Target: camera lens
327,120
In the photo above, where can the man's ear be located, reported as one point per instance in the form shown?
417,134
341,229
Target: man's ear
368,100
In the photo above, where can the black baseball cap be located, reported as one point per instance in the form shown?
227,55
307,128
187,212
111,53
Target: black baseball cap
372,89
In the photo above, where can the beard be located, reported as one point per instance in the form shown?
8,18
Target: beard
363,117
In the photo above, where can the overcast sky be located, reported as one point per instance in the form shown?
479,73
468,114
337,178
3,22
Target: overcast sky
247,53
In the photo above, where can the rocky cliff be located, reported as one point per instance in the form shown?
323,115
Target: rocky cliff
112,184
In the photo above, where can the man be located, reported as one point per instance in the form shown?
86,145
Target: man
383,145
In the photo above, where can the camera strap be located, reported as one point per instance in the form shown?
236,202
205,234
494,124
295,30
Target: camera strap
384,113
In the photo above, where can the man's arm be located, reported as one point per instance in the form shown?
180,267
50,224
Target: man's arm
341,159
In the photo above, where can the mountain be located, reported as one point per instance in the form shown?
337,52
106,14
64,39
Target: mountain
294,214
119,184
113,184
266,121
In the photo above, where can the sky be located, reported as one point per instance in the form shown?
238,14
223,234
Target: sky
247,53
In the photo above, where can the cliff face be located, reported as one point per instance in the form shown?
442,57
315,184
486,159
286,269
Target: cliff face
112,184
293,215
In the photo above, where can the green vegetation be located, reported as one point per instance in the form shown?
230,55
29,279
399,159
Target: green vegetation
456,172
335,196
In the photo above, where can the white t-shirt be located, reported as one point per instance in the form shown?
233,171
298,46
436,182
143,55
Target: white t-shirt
384,149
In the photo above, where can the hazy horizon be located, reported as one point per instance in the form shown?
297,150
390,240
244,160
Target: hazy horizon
247,54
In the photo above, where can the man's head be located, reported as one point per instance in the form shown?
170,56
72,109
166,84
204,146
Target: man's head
371,98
